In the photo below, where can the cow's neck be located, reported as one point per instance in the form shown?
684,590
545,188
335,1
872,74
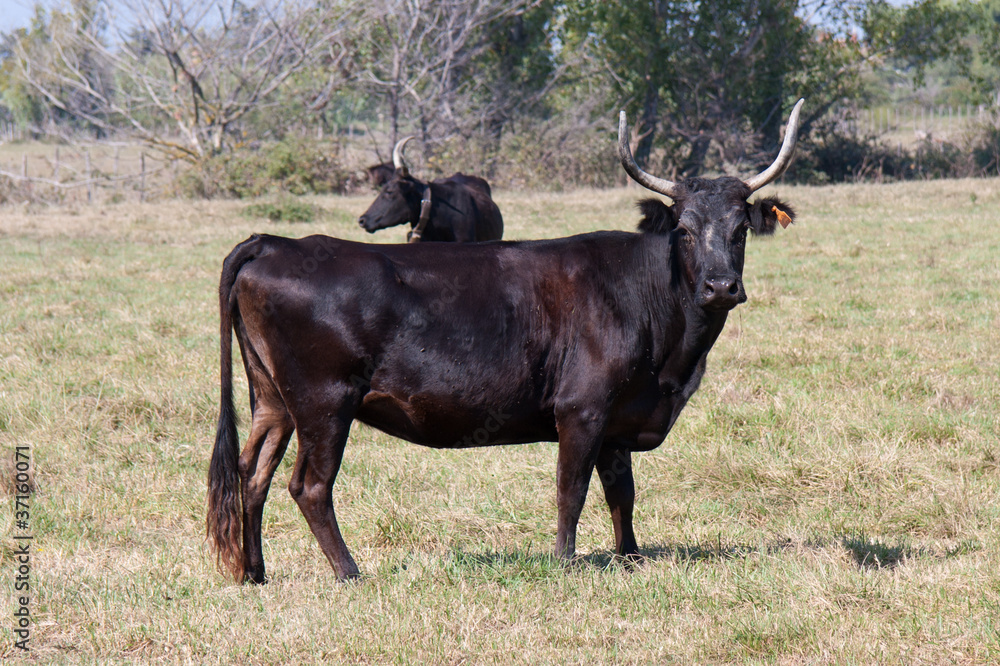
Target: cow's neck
685,331
685,361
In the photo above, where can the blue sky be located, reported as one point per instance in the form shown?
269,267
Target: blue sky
16,14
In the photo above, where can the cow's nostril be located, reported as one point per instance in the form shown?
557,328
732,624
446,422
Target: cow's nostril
721,290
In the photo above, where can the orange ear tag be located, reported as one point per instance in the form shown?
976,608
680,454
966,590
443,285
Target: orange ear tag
783,218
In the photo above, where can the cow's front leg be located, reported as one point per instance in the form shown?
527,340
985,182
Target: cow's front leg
614,468
580,435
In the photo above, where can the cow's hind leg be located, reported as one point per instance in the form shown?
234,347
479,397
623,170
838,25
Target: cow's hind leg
269,434
322,437
614,468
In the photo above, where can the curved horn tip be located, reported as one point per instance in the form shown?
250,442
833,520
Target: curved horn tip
784,156
397,153
402,142
622,131
660,185
794,115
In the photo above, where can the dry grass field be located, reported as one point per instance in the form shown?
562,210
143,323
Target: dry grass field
830,495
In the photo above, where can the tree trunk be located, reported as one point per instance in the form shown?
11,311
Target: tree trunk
695,161
647,125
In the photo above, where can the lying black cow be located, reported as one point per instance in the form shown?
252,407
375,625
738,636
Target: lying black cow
459,208
596,341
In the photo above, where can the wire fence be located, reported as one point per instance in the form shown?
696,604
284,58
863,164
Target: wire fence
62,174
944,121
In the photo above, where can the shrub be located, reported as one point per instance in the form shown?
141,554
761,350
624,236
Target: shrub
284,210
560,158
294,165
985,145
546,155
940,159
835,152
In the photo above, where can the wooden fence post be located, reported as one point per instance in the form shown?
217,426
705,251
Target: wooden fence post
90,182
24,174
118,184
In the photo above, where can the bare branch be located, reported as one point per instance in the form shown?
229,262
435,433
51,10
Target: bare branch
188,67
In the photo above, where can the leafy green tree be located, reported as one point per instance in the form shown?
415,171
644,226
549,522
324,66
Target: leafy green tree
961,33
633,47
715,77
918,34
24,105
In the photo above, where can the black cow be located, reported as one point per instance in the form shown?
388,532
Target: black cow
595,341
459,208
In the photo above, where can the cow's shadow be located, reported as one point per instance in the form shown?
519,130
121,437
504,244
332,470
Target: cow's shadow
683,552
867,553
517,561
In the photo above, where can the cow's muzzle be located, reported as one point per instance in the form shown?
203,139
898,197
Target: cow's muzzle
366,224
721,293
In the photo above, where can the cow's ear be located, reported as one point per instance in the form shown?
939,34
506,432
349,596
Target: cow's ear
766,213
657,217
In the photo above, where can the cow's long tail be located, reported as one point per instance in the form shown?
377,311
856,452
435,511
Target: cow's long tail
224,523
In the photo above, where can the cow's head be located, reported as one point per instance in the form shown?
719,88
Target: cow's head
709,220
399,200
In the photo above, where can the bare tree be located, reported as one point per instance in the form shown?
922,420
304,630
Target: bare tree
421,57
181,74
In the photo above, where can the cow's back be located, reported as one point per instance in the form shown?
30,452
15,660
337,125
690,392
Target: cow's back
466,180
482,220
